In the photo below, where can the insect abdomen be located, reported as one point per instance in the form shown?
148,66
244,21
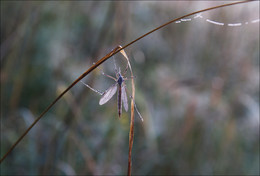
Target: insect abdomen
119,101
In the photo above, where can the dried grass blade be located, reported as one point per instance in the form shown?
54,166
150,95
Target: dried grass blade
131,131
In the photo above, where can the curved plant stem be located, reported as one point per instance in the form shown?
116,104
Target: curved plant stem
113,52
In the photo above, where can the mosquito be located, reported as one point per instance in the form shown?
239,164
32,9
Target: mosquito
122,91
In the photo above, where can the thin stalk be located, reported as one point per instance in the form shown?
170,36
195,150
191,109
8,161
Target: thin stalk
93,67
131,130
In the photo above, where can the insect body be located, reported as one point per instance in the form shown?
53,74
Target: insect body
121,96
110,92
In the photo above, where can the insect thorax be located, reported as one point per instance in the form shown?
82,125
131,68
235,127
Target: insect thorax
120,80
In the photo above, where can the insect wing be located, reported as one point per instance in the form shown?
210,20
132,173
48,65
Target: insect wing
108,94
124,97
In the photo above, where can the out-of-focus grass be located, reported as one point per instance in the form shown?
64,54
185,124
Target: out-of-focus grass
197,88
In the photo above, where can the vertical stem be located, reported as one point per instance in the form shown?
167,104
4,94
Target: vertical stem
131,131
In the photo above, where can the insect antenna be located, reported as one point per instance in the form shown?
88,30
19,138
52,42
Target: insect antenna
115,67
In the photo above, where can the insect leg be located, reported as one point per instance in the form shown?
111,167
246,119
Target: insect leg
95,90
109,76
135,107
132,77
125,69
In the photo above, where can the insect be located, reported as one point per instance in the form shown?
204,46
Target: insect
110,92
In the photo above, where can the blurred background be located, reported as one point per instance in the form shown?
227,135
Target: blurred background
197,88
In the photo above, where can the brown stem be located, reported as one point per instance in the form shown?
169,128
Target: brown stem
131,130
113,52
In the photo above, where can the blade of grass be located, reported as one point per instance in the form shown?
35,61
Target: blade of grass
131,130
113,52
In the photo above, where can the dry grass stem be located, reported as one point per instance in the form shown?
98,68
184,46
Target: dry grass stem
131,130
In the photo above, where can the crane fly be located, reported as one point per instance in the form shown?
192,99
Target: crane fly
110,92
121,95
